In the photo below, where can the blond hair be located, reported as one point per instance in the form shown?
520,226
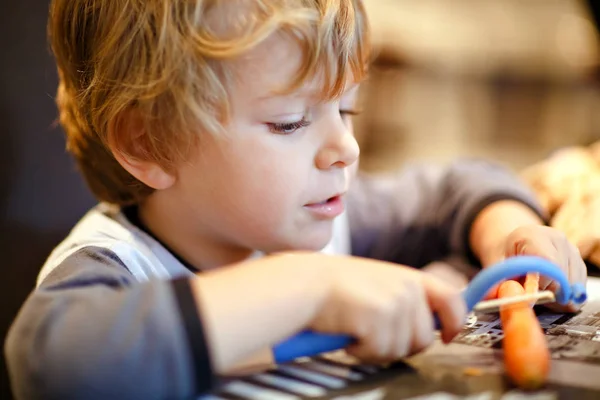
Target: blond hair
165,60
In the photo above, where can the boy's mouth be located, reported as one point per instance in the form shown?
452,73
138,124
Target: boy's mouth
327,209
332,199
329,200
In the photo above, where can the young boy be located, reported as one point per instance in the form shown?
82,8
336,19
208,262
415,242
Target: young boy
217,137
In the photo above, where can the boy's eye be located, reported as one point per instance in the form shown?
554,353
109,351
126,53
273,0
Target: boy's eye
345,113
287,128
349,112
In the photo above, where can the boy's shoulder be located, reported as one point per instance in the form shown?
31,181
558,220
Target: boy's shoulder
105,232
105,229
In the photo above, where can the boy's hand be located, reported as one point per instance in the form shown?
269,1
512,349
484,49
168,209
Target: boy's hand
509,228
387,308
551,244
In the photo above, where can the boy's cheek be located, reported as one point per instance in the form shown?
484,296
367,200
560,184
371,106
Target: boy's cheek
353,170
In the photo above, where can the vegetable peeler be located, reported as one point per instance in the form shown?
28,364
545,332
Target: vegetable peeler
492,306
308,343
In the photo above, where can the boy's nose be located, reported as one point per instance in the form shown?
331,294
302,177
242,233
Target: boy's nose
340,151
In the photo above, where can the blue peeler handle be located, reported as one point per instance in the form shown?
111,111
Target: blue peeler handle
308,344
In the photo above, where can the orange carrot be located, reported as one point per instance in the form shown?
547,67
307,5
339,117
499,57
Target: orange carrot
532,282
526,354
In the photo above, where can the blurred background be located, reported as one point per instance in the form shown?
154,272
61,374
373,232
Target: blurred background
509,80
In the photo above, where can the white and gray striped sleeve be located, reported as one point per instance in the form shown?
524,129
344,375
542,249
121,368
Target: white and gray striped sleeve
92,331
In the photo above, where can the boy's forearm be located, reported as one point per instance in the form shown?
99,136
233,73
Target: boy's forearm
232,304
494,223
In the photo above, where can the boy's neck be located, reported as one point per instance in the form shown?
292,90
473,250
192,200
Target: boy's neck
201,252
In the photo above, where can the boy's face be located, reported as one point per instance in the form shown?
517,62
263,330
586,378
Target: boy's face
277,180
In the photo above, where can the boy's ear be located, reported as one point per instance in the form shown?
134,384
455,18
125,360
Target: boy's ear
128,143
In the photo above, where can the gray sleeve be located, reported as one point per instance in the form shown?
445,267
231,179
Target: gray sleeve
424,213
91,331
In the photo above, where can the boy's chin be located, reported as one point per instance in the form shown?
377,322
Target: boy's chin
316,242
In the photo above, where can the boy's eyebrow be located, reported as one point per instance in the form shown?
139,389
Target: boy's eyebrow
303,93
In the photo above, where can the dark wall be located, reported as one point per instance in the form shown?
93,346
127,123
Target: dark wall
594,7
41,194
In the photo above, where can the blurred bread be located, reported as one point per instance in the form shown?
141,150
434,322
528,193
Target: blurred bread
555,178
568,186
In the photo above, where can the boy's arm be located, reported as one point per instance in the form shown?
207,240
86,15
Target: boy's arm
426,213
90,331
493,225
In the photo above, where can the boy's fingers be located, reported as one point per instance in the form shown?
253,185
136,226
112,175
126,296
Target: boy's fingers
544,249
401,343
422,323
449,306
492,293
577,268
376,350
560,308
